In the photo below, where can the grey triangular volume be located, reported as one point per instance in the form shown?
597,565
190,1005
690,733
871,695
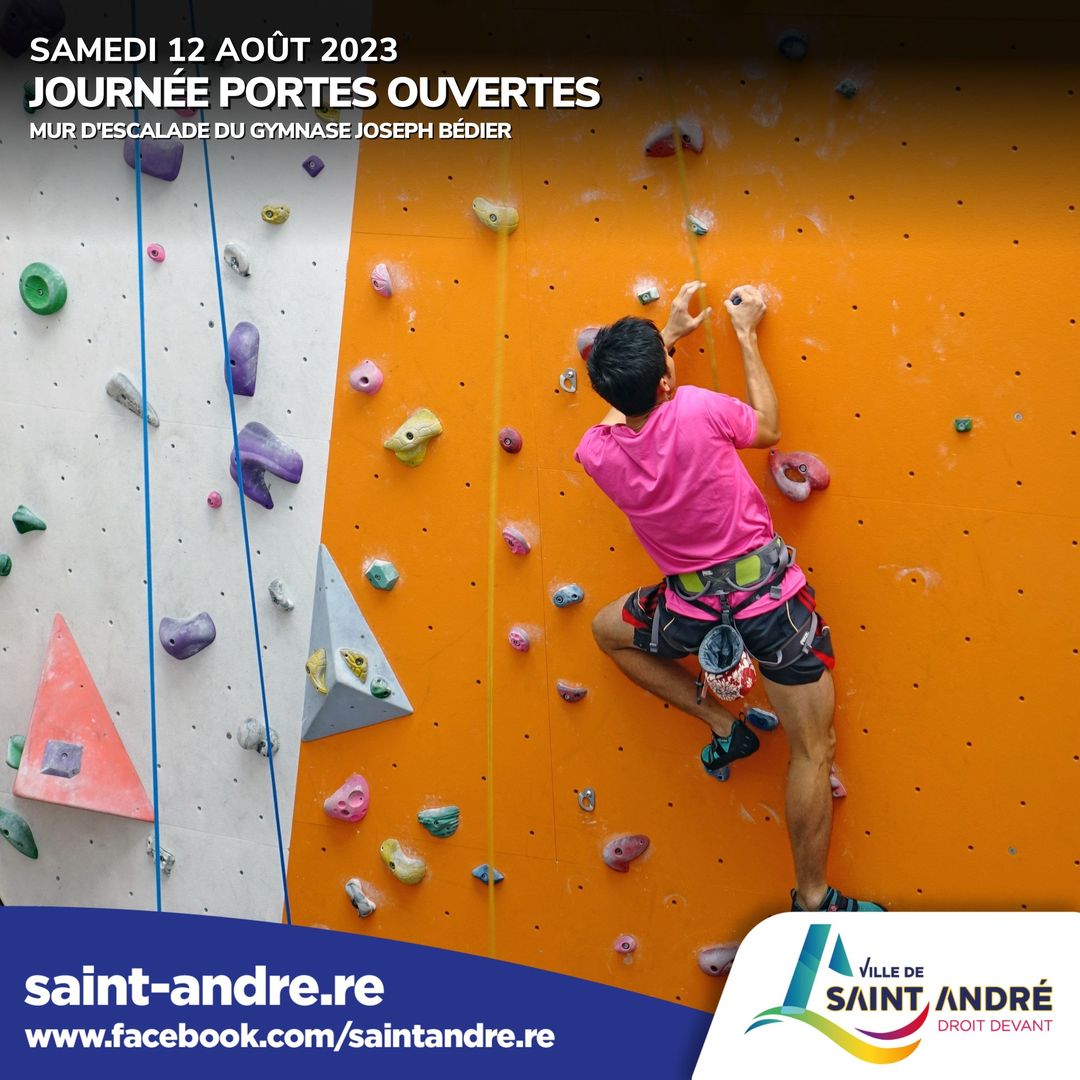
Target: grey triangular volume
336,624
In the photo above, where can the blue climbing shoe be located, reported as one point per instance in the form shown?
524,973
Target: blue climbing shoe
834,900
740,743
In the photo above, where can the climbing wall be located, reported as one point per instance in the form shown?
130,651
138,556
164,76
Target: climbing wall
75,457
915,244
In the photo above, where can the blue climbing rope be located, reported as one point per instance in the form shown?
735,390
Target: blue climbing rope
243,497
146,491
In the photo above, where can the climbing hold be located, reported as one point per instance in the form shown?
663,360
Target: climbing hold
27,521
792,44
723,774
442,821
736,299
24,20
409,442
327,114
649,295
184,638
15,750
278,594
213,500
566,595
570,692
408,869
351,801
498,218
380,280
717,959
121,389
696,225
661,140
519,638
336,624
156,252
382,574
251,735
62,759
354,889
313,165
168,859
510,440
355,662
837,785
275,213
243,358
516,541
962,424
847,88
5,564
160,158
625,944
315,667
568,380
237,258
585,341
797,473
586,800
367,378
187,114
621,851
17,833
43,289
485,873
762,719
261,451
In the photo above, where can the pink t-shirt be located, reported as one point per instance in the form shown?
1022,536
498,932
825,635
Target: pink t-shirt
684,488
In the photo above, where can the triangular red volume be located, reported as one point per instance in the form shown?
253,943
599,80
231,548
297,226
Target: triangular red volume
69,710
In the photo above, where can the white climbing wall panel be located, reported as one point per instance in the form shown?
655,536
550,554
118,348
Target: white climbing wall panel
75,457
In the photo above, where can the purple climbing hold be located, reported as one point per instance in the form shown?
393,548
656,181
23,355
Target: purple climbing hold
261,452
313,165
516,541
380,280
510,440
585,341
62,759
243,358
159,157
24,20
185,637
366,377
570,692
837,785
625,944
762,719
519,638
621,851
717,959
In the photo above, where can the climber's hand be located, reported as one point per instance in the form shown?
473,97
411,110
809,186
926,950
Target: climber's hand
746,306
680,321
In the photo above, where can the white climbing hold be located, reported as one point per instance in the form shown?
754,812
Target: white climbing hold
237,258
276,588
121,389
251,735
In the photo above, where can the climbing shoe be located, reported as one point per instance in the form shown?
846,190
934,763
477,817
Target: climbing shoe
741,743
834,900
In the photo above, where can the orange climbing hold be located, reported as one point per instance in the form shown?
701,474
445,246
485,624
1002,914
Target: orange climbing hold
70,722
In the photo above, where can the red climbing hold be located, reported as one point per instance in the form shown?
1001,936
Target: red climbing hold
585,340
797,473
661,141
69,709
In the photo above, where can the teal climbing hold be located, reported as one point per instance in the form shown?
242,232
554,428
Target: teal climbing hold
962,424
442,821
15,746
382,574
482,871
17,833
380,688
5,564
43,289
27,521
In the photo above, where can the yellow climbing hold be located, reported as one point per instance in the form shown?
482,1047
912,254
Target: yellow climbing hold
275,213
327,114
410,440
357,663
316,670
498,218
408,869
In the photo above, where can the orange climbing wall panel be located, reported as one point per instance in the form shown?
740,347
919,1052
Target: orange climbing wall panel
918,247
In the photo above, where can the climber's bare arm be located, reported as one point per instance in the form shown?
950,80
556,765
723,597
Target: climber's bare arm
745,314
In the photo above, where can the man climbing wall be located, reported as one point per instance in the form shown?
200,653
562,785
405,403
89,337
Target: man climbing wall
666,456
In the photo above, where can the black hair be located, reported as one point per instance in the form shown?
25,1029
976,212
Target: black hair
627,363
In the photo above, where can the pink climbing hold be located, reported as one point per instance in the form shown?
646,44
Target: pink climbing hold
717,959
797,473
625,944
837,785
380,280
661,141
621,851
519,638
570,692
350,802
185,113
585,341
213,500
510,440
367,377
156,252
516,541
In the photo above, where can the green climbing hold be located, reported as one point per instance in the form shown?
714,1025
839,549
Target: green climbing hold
16,832
43,289
27,521
442,821
962,424
15,746
5,565
847,88
380,688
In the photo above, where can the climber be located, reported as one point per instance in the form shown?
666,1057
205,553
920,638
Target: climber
666,456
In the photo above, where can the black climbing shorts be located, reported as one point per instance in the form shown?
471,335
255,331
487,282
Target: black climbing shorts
681,635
